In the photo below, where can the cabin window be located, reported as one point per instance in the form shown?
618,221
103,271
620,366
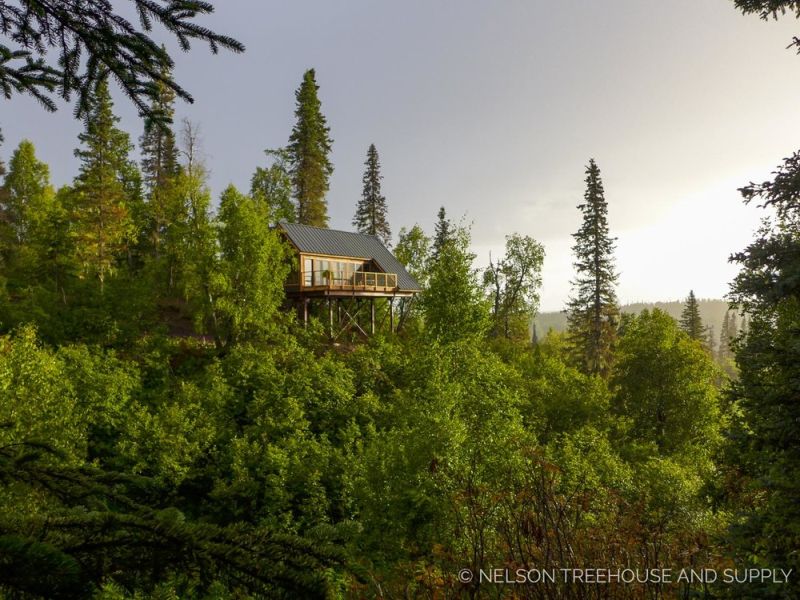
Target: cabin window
319,271
308,272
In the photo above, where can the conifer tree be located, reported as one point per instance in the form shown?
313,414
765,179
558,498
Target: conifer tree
6,232
309,147
723,349
103,189
733,328
691,322
711,343
160,170
593,312
2,164
371,214
766,392
71,48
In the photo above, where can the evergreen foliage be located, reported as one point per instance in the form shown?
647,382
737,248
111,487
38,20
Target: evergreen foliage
160,170
711,341
691,322
767,289
77,542
592,310
68,49
769,8
104,192
190,441
723,349
371,213
308,148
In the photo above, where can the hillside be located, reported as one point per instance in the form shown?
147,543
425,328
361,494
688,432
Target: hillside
711,311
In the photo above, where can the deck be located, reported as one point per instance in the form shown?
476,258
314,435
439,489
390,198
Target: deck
347,284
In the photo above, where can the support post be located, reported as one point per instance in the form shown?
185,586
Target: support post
372,316
391,315
330,318
305,312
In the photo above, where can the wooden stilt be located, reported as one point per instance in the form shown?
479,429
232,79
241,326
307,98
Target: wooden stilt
305,312
330,318
391,315
372,316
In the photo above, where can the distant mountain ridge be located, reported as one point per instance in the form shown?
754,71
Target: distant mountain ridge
712,312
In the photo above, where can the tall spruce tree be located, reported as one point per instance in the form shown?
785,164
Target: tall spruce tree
103,190
766,393
733,329
371,214
691,322
593,312
309,147
160,170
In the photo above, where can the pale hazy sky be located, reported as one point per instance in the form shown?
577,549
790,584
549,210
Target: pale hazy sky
493,108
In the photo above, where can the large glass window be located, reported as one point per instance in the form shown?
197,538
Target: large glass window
319,271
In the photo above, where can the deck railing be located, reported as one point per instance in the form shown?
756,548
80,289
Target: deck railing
348,280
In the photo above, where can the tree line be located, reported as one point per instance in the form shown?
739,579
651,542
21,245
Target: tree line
172,431
247,457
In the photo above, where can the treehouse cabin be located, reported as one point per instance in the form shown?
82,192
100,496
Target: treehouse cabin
342,272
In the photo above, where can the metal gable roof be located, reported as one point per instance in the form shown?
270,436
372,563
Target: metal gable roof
316,240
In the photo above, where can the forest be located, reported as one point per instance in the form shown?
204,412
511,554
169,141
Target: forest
170,429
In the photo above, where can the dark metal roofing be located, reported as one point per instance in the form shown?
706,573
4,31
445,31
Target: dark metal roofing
316,240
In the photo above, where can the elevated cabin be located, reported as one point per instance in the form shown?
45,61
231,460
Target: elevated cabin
343,270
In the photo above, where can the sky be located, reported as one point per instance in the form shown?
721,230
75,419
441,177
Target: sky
492,109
